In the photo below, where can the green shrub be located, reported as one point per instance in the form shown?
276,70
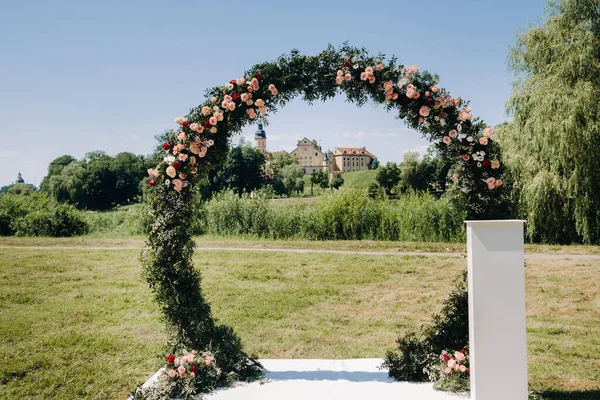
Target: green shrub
418,352
61,220
6,224
125,220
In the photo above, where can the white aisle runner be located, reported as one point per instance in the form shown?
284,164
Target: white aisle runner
358,379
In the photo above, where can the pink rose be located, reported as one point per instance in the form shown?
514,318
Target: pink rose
457,102
213,99
240,81
153,172
447,139
453,133
181,120
395,96
421,120
364,76
254,83
172,373
410,93
491,186
196,127
340,72
182,157
177,186
466,157
491,180
483,141
348,77
487,132
206,110
448,370
462,368
164,377
259,103
193,159
213,121
250,89
181,136
435,89
249,102
369,71
274,92
231,106
387,85
228,98
224,104
339,79
424,111
495,164
271,87
427,93
212,130
371,79
208,360
262,110
459,356
171,171
498,182
379,67
251,113
416,95
192,374
451,363
218,116
408,71
415,69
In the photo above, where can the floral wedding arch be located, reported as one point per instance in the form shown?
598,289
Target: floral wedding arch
202,139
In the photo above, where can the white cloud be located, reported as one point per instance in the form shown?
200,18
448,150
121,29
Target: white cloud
357,135
9,153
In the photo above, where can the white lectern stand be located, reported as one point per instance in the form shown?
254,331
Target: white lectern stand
497,332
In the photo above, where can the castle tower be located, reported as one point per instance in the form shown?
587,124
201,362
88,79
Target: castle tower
260,138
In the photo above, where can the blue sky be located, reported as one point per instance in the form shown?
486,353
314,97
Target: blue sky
78,76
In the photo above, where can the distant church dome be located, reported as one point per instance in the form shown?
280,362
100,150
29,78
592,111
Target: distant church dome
20,178
260,133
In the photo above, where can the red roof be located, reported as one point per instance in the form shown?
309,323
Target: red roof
352,151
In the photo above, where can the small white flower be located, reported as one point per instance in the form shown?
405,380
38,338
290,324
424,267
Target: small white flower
169,159
353,59
461,136
442,122
459,127
402,82
216,109
479,164
167,182
469,138
229,86
355,66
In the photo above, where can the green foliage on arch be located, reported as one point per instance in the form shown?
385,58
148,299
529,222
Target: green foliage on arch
202,141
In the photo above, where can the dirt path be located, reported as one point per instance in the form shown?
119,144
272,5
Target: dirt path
528,256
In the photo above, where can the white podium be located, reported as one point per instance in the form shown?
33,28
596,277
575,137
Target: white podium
497,332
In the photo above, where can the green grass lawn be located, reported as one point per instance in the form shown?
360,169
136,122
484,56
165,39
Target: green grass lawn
81,323
360,179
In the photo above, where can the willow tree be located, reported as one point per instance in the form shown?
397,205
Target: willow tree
552,146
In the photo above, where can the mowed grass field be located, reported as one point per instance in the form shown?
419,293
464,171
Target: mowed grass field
78,321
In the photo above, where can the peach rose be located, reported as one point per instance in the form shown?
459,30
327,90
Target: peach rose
448,370
416,95
213,99
498,182
491,180
460,357
371,79
447,139
348,77
206,110
435,89
193,160
153,172
364,76
172,373
262,110
171,171
196,127
495,164
395,96
453,133
218,116
208,360
451,363
240,81
225,104
468,109
388,85
182,157
462,368
259,103
181,120
379,67
178,185
415,69
457,102
339,79
410,93
181,136
228,98
483,141
271,87
369,71
340,72
213,130
424,111
491,186
182,176
194,148
427,93
212,121
251,113
487,132
421,120
274,92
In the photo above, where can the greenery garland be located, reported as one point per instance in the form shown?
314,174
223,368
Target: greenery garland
202,140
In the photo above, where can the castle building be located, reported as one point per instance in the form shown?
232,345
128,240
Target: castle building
350,159
312,158
260,138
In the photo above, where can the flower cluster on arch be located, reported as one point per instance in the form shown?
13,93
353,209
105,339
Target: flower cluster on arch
185,149
415,95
